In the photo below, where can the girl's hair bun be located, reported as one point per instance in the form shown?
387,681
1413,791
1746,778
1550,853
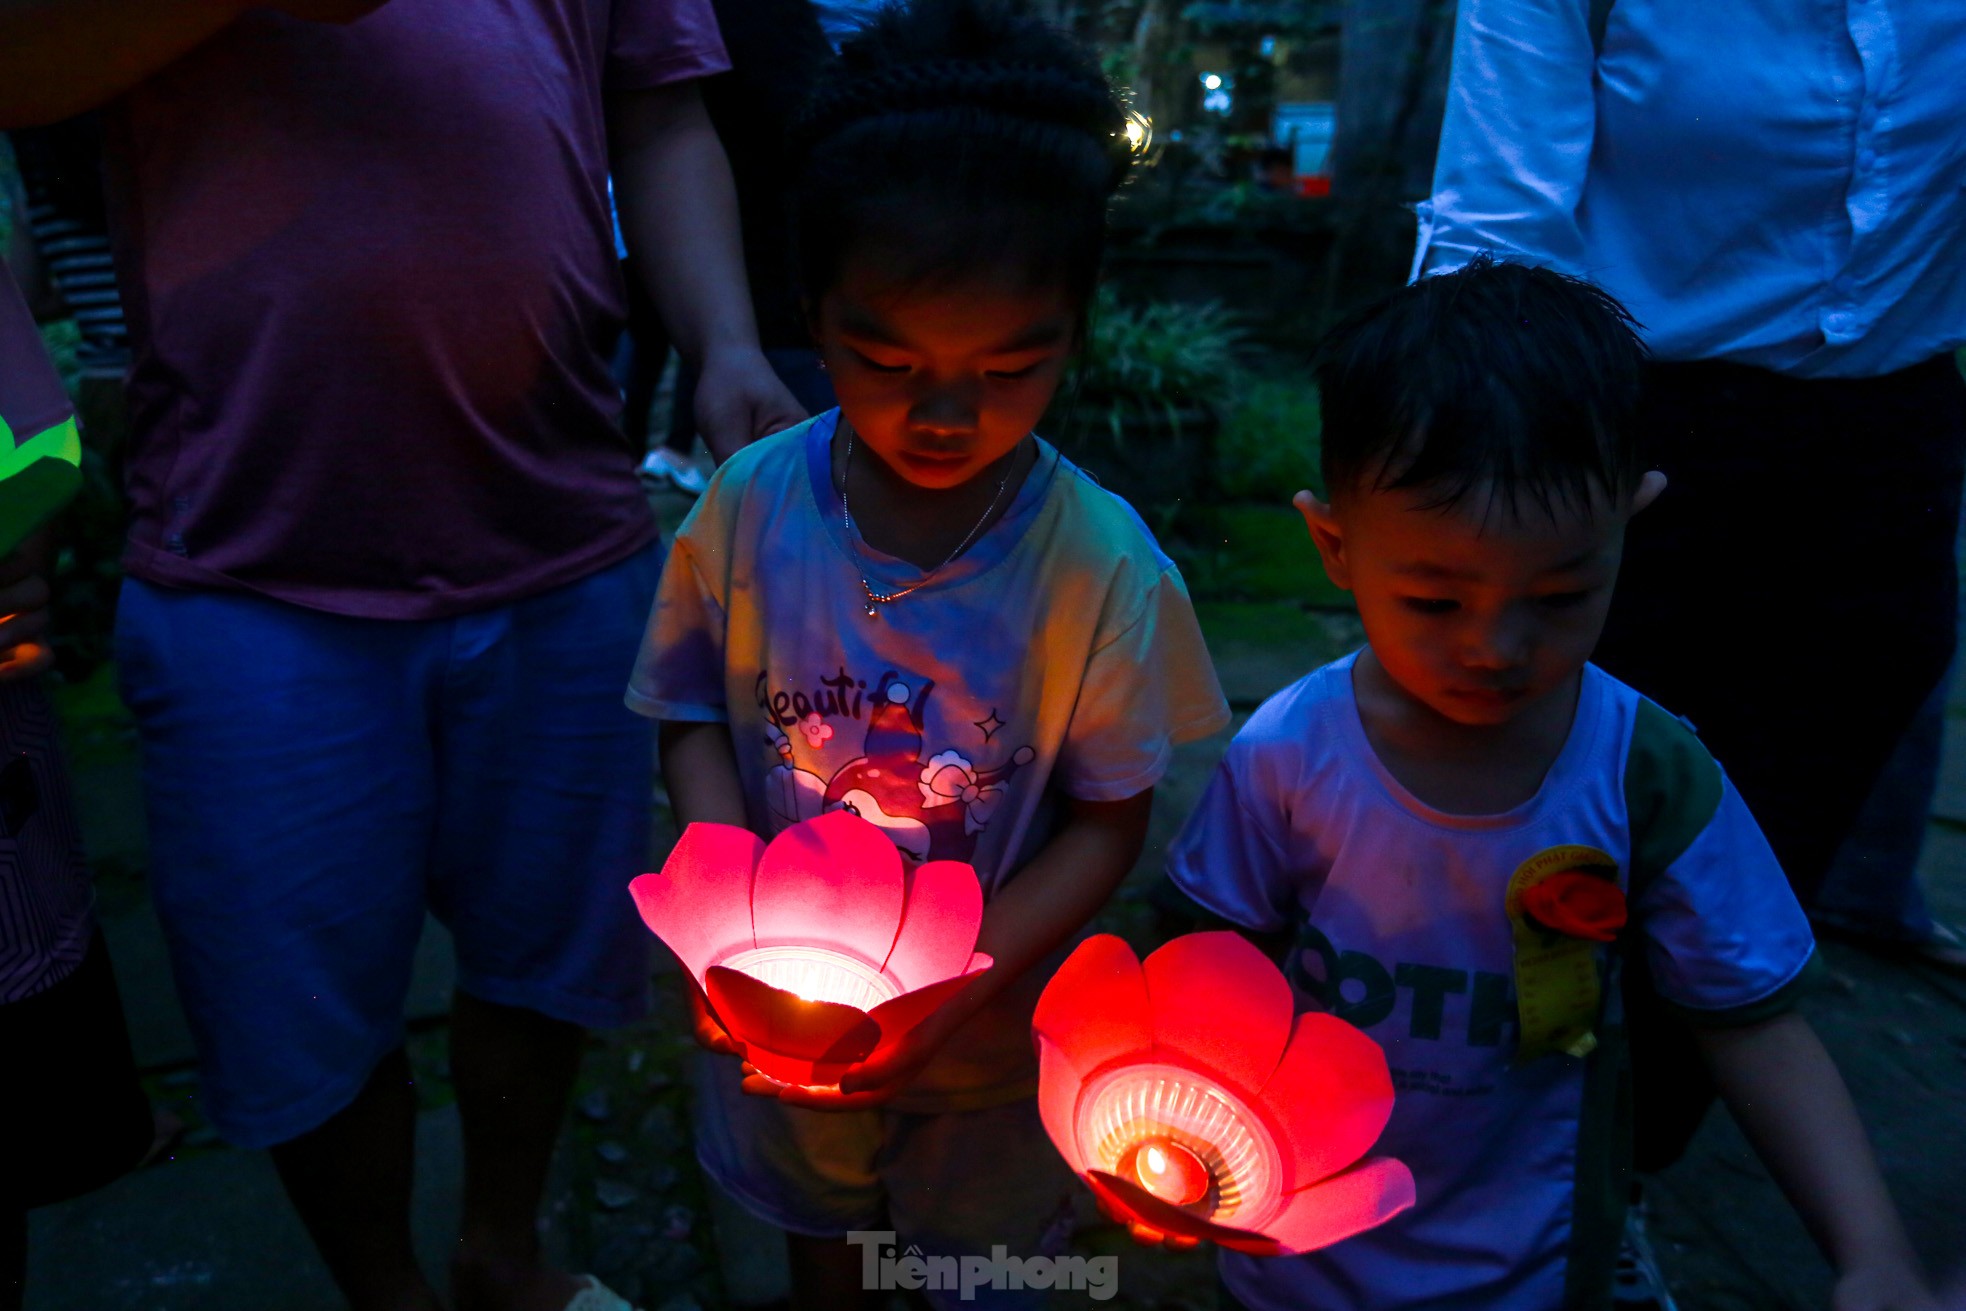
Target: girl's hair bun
943,56
957,136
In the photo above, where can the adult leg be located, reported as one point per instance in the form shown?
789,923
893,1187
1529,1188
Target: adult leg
288,781
513,1069
1872,889
545,818
350,1181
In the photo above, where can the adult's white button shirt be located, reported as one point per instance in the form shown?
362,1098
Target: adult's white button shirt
1780,183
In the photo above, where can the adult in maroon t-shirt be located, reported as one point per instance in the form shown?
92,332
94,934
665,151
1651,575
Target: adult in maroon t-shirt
389,560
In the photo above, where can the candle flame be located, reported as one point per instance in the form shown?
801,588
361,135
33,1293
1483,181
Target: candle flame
1171,1172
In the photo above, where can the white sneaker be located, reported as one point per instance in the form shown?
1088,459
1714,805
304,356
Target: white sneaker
664,465
1639,1284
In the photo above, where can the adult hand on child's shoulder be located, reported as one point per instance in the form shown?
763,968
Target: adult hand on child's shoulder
24,598
327,11
1891,1286
739,399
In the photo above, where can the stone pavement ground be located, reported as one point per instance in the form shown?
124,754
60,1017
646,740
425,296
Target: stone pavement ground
207,1229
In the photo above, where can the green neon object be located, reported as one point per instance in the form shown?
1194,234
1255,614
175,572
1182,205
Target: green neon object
37,478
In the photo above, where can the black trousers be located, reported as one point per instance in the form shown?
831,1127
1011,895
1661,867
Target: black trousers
72,1115
1793,593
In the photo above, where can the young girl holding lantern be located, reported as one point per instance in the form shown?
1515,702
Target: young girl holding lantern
916,609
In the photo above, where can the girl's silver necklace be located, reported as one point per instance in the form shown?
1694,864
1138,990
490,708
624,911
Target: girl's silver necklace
877,599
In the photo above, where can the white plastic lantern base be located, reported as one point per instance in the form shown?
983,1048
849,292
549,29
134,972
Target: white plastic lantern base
1123,1107
816,974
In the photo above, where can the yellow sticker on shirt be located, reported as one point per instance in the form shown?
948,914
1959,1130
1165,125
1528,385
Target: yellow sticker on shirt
1557,982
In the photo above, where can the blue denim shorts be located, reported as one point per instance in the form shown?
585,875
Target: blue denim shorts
314,782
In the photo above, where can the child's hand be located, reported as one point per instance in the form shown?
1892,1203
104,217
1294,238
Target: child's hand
868,1084
24,598
704,1026
1145,1234
1890,1287
1148,1236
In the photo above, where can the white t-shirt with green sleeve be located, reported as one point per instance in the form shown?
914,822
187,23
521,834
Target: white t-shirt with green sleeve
1403,931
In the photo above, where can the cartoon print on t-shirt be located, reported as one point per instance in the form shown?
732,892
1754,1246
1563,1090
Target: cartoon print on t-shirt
933,807
791,794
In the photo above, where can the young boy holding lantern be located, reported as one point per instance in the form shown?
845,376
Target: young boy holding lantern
1475,832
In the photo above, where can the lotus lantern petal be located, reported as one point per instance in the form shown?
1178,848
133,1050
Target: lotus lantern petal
819,949
1194,1103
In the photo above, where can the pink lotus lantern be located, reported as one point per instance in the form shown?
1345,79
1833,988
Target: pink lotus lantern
817,950
1196,1106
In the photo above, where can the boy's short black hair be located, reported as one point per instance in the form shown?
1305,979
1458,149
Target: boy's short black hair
1502,375
958,135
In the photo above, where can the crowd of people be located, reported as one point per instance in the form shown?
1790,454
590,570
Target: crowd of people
1671,396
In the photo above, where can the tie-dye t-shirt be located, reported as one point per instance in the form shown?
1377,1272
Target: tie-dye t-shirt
1058,655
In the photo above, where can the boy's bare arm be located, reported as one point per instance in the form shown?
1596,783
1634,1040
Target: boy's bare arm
60,57
699,767
1790,1101
1048,901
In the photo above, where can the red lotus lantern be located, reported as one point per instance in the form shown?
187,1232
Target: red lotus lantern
1196,1106
817,950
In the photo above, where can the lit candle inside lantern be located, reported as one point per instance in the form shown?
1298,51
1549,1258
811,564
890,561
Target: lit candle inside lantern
1170,1171
1199,1105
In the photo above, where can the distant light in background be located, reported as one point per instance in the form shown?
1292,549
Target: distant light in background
1307,127
1217,93
1268,47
